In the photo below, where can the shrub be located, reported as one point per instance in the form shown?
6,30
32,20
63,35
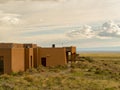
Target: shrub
41,68
14,73
20,73
89,59
31,71
61,67
29,78
5,76
73,65
8,86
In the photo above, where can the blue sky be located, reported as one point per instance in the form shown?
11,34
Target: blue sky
83,23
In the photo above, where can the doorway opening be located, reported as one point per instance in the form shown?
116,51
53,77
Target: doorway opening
1,64
31,61
43,61
68,56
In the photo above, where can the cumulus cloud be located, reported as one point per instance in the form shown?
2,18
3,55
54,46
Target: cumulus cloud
84,32
9,18
107,30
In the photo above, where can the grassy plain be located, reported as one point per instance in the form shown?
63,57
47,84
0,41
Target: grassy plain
93,71
102,55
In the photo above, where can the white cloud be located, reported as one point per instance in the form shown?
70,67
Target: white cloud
9,18
107,30
84,32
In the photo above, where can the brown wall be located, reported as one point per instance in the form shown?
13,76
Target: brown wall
35,50
11,45
37,57
17,59
6,53
54,56
29,58
73,49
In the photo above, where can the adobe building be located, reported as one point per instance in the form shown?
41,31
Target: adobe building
11,57
53,56
20,57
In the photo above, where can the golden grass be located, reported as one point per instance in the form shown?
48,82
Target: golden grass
101,54
95,74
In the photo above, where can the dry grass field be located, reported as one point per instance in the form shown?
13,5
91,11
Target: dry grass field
100,71
102,55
